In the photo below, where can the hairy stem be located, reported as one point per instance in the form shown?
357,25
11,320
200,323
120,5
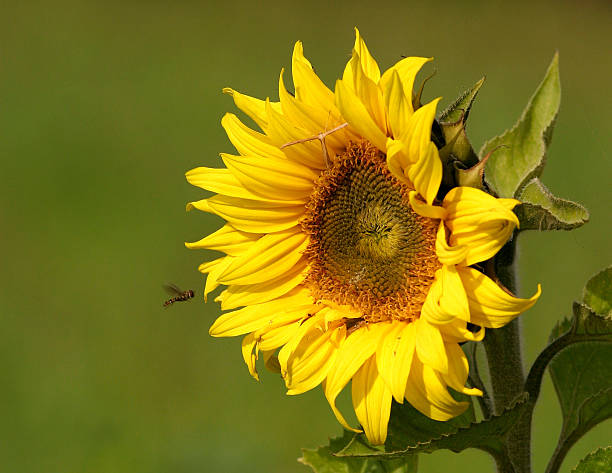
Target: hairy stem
504,355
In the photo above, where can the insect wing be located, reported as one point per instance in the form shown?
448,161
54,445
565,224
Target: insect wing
172,289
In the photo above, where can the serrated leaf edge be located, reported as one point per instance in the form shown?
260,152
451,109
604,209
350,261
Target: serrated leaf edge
519,401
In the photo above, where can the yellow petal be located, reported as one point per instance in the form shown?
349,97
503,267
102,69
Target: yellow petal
427,393
429,345
357,115
426,174
372,402
272,256
446,299
248,142
253,216
366,61
312,358
399,107
370,95
308,87
250,354
254,108
283,132
236,296
394,357
424,209
282,327
413,157
272,178
313,119
457,332
255,317
490,305
407,70
458,369
448,255
212,280
478,221
226,239
352,354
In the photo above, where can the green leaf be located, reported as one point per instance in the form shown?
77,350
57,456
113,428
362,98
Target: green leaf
582,373
540,210
324,459
598,461
597,293
510,168
455,435
453,121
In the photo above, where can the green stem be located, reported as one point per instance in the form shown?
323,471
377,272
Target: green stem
503,349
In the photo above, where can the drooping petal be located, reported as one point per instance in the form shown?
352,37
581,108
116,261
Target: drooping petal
458,370
430,346
252,216
272,256
427,392
255,317
352,354
372,402
490,305
394,357
478,221
310,361
250,354
446,299
227,239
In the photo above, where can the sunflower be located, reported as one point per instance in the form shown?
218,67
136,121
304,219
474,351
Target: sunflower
342,260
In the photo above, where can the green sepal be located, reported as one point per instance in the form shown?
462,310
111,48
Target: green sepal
452,122
598,461
540,210
511,168
325,460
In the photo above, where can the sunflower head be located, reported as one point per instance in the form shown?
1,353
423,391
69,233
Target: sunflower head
343,260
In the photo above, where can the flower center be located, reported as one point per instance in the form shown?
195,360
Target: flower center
368,249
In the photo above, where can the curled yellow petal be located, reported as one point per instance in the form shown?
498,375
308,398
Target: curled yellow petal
446,299
490,305
478,221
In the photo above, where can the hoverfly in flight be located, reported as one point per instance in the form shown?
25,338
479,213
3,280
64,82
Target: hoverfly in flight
177,294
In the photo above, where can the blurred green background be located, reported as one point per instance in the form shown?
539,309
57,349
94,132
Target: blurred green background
103,107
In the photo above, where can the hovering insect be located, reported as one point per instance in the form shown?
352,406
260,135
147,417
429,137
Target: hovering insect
177,294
